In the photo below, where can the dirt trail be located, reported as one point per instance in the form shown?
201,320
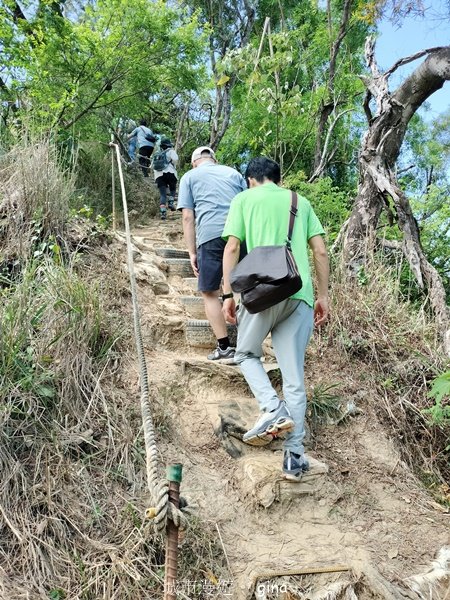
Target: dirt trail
368,512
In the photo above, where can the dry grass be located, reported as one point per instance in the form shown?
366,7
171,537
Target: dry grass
340,586
34,198
93,182
73,489
397,345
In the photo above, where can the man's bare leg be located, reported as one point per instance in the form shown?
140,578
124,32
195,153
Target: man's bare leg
213,309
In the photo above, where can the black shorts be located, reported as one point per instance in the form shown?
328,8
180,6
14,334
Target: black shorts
166,179
209,262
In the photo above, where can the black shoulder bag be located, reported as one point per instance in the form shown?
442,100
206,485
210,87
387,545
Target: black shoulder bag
149,136
268,274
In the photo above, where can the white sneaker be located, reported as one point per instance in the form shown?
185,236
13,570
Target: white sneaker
269,425
224,356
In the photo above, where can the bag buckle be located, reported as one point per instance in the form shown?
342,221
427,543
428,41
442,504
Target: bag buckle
294,210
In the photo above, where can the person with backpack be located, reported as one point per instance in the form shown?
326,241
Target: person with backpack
260,217
145,143
164,163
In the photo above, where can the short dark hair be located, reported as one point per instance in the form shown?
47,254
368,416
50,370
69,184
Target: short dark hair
143,122
261,168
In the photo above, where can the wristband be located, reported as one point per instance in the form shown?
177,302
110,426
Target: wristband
226,296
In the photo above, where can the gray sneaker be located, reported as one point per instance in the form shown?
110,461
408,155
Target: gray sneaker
268,426
294,465
224,356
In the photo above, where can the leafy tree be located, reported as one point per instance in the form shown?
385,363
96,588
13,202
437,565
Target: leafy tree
379,189
132,55
291,102
424,172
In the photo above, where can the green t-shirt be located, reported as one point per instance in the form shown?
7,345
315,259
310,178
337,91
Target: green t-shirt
260,216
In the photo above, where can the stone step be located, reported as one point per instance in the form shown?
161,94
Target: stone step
260,479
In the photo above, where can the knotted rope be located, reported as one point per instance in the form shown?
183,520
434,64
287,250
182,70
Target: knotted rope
159,489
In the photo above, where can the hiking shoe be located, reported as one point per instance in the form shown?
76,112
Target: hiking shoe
268,426
162,214
294,465
225,356
171,205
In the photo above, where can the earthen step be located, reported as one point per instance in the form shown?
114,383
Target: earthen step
191,283
260,478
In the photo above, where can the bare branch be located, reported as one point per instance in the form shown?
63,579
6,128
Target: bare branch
338,41
408,59
130,95
325,158
400,171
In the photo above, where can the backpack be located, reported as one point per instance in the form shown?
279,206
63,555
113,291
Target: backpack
161,160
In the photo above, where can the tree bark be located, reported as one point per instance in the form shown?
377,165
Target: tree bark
378,185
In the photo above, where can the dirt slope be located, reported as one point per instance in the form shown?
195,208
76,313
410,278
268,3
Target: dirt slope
368,512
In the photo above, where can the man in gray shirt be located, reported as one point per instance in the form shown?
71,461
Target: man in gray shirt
205,196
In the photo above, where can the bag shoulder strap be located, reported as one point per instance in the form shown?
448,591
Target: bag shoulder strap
292,214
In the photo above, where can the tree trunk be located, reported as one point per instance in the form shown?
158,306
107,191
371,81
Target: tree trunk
238,37
328,105
378,184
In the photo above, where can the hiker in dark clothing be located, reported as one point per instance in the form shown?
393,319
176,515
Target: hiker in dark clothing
145,143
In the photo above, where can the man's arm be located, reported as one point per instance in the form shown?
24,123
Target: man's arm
189,237
230,260
322,269
133,133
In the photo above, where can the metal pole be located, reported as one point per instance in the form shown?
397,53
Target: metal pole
174,473
113,188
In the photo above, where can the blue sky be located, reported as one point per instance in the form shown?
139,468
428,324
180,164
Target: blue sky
413,35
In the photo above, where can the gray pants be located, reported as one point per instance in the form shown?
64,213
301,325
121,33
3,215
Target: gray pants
291,324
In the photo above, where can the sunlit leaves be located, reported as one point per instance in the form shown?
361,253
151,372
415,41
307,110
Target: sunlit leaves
113,53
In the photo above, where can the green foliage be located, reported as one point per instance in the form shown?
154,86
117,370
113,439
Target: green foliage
440,393
110,57
324,405
57,594
50,311
426,179
279,96
331,204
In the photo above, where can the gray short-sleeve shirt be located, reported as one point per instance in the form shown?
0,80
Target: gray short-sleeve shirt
208,190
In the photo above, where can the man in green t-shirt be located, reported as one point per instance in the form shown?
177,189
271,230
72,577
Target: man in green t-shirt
259,217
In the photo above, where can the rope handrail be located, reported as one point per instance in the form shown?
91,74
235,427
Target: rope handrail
158,489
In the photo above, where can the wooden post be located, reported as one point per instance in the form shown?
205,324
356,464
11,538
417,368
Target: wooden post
174,473
113,158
